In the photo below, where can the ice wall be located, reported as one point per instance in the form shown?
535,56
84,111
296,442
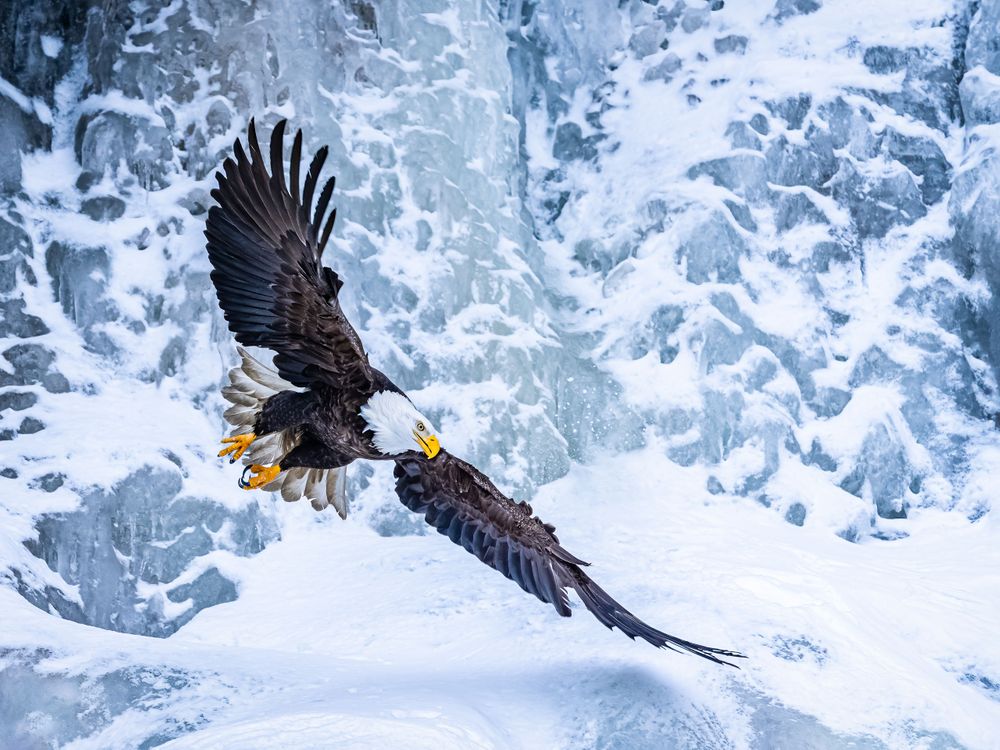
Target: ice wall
113,510
110,334
974,197
122,123
755,237
754,217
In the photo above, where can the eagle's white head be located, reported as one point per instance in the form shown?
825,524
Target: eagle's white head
398,426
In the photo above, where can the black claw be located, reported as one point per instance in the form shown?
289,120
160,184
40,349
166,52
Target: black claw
233,459
244,484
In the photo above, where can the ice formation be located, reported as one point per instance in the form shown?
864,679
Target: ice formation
713,283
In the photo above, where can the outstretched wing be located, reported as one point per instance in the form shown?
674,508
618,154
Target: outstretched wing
266,251
462,503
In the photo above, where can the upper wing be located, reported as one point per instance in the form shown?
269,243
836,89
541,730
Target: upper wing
266,254
461,502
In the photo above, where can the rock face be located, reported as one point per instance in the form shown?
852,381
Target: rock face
822,243
134,552
111,197
975,194
563,241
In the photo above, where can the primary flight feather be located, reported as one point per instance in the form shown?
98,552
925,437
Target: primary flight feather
325,406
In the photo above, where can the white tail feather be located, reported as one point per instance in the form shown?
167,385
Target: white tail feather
252,383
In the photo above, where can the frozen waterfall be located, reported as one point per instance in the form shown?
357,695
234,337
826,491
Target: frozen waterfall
712,283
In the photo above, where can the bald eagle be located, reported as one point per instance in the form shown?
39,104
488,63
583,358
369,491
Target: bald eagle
324,406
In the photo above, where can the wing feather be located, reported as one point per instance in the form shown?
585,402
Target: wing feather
321,204
500,558
463,504
295,163
326,231
278,156
268,276
312,177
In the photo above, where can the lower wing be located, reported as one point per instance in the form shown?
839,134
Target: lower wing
463,504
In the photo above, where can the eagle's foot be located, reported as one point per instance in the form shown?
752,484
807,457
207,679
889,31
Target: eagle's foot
259,476
237,445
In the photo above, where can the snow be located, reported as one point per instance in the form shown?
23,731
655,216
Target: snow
712,289
29,106
51,45
342,636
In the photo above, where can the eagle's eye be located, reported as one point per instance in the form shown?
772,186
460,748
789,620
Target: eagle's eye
420,427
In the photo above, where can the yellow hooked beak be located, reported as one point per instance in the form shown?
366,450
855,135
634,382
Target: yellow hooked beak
430,444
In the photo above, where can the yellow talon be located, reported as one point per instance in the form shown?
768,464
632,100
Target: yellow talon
239,444
259,476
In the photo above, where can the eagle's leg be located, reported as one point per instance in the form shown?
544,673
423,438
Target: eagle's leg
259,476
280,412
237,446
